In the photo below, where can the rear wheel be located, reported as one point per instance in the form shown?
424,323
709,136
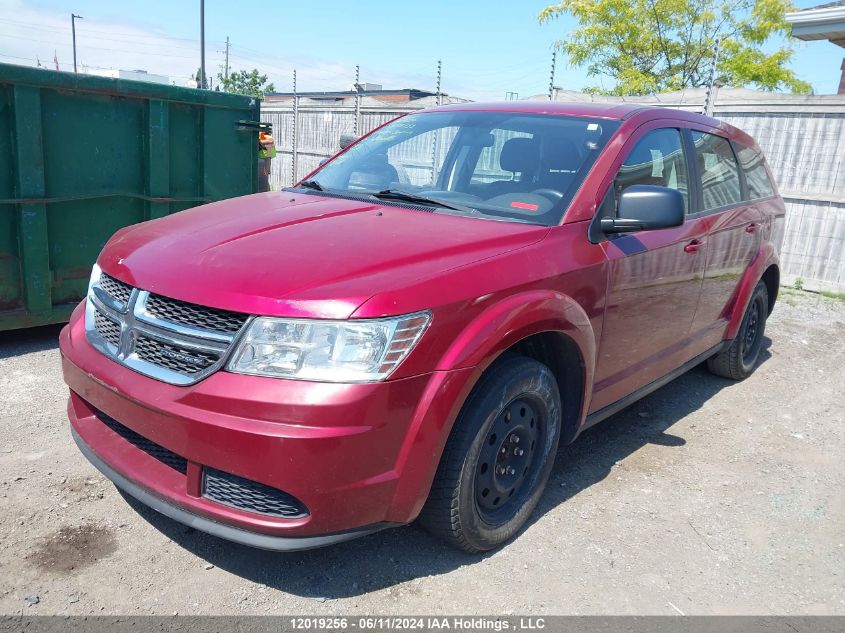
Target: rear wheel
738,360
498,457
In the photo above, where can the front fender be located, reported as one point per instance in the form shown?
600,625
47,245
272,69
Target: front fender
484,339
765,257
516,317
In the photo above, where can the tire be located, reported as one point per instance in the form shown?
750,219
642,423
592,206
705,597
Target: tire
738,360
498,457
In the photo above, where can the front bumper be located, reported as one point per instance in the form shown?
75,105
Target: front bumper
359,457
228,532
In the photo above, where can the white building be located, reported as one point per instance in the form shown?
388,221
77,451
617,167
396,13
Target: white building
132,75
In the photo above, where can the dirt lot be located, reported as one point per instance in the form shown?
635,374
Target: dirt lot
706,497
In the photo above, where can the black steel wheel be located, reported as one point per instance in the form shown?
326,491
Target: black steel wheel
507,460
498,457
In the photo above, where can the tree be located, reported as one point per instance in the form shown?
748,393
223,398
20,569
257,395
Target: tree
245,82
650,46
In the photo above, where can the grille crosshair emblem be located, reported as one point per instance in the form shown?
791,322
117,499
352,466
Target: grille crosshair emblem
186,346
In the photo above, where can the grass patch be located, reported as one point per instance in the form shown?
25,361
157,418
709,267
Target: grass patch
837,296
792,293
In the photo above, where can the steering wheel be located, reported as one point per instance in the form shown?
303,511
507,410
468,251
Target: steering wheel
552,194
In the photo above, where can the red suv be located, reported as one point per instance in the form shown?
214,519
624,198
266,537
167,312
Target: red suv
412,330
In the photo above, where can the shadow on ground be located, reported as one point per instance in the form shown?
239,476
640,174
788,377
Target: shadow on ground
395,556
37,339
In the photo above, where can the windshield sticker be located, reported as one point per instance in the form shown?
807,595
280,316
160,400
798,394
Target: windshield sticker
525,205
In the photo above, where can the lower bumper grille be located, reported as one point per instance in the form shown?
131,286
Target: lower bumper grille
225,488
165,456
250,496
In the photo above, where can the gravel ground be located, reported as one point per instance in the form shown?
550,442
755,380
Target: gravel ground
707,497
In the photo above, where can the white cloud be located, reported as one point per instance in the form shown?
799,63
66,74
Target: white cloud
31,35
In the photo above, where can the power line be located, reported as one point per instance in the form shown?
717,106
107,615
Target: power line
101,48
89,29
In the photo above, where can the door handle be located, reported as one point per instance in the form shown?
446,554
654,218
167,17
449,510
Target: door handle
751,227
693,246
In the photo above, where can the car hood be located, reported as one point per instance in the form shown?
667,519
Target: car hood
295,254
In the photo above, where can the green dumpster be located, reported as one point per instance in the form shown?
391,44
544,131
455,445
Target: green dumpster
82,156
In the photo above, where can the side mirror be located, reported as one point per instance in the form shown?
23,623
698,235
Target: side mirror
346,140
646,208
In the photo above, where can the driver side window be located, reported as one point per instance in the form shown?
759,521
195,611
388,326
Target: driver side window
657,159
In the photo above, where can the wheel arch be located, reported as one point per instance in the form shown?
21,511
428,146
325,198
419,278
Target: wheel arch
771,276
763,267
545,325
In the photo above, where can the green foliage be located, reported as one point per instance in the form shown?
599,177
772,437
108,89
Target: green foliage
245,82
838,296
798,284
651,46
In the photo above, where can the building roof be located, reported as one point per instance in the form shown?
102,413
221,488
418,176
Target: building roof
823,22
411,93
827,5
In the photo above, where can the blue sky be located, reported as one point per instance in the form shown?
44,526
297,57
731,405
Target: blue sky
487,48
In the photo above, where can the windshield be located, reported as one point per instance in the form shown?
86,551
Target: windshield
495,165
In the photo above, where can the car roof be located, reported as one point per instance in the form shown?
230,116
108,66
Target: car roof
616,111
598,110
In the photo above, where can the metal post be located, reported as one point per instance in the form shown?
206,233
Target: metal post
202,44
710,95
226,69
357,128
439,76
294,157
552,77
73,19
435,145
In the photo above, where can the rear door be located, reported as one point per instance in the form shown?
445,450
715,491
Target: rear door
654,277
733,231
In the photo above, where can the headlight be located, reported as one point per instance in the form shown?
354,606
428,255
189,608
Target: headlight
364,350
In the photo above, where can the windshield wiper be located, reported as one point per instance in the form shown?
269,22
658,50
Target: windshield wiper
312,184
406,196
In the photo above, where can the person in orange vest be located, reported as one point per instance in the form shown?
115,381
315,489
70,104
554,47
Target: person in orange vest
266,154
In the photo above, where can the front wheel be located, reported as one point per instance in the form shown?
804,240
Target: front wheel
498,457
739,359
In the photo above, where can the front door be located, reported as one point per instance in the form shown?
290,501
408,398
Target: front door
654,279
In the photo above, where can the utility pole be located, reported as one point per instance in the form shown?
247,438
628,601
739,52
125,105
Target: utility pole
73,19
552,78
357,100
439,76
226,69
712,87
202,45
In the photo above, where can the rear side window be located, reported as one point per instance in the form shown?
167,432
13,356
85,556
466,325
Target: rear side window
756,176
720,184
657,159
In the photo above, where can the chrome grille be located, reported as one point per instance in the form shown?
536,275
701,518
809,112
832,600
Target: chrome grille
116,289
193,315
250,496
108,329
169,340
174,357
